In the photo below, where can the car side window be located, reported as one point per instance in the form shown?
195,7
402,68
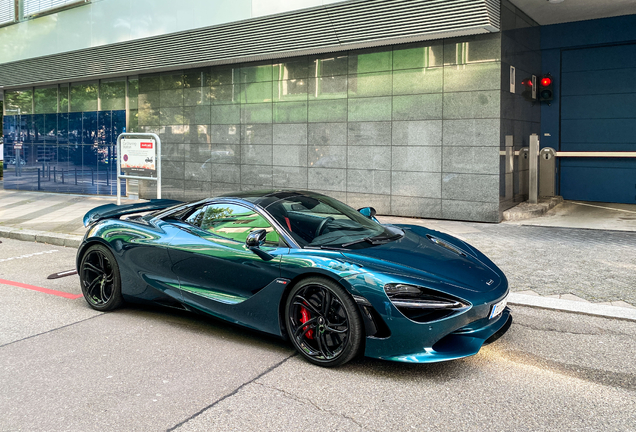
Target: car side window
233,222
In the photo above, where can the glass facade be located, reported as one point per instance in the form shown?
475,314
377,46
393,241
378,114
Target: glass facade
57,140
411,130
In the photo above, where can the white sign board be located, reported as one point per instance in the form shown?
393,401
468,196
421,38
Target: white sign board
138,154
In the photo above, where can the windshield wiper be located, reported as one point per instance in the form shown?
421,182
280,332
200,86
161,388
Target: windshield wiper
324,247
366,239
374,240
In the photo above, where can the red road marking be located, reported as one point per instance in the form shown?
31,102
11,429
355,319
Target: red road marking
40,289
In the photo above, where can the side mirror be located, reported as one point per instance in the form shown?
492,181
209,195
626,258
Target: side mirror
254,241
368,212
256,238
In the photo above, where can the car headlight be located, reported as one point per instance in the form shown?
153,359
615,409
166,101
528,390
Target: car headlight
422,304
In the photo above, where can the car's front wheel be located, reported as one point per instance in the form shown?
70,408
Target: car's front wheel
100,279
323,322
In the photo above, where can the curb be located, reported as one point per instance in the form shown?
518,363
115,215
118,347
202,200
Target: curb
53,238
525,210
599,310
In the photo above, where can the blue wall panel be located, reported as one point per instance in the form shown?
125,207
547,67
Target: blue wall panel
594,109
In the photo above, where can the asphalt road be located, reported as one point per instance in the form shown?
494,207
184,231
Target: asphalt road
64,366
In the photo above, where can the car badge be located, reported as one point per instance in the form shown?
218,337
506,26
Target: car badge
490,282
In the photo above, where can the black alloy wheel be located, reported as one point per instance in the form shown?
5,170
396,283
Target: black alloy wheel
323,322
100,280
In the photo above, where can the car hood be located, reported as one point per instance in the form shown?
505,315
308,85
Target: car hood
418,256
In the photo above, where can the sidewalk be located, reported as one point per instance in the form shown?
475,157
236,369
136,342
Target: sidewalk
581,270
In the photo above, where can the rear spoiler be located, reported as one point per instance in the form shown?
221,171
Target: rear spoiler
110,211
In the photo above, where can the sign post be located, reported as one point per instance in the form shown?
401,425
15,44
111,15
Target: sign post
138,153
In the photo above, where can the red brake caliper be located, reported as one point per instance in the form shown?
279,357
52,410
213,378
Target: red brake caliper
305,317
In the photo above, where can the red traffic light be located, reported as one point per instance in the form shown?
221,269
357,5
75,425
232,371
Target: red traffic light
546,81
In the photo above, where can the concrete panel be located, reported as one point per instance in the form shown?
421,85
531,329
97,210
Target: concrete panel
290,112
471,160
469,210
327,156
256,154
417,107
369,157
427,159
417,133
257,134
256,113
327,179
416,184
416,207
472,77
416,81
370,84
290,155
256,175
369,109
369,133
381,203
290,177
327,111
473,132
470,187
331,134
225,173
368,181
472,105
199,114
225,134
290,134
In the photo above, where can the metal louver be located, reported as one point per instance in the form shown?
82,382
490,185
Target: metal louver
32,7
335,27
7,11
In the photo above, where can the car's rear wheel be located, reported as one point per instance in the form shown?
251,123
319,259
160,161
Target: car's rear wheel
323,322
100,279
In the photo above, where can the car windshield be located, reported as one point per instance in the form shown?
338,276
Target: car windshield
320,221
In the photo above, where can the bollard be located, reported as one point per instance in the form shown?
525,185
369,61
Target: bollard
54,179
62,176
38,178
75,175
533,169
92,177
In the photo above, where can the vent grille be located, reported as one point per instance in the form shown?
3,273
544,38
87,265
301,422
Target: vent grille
32,7
7,11
334,27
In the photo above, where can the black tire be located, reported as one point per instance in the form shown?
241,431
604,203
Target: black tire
329,332
100,279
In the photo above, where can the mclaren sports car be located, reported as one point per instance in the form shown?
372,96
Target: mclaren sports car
332,280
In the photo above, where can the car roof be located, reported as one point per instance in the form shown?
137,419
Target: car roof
264,198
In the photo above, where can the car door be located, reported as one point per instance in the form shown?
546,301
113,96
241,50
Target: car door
214,266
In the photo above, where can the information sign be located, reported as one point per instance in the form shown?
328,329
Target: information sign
138,154
139,157
17,146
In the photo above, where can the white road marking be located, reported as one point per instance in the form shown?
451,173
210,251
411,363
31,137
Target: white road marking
603,207
29,255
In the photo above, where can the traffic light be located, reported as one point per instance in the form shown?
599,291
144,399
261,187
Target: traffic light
529,89
545,88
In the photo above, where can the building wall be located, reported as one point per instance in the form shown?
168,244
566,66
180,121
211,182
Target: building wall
413,130
521,48
104,22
